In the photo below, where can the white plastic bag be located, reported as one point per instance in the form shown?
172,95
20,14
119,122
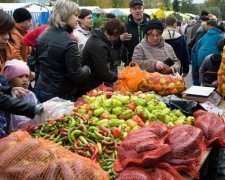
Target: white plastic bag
17,121
56,108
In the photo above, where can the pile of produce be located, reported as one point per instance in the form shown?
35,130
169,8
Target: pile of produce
23,157
162,84
132,79
221,76
212,125
101,120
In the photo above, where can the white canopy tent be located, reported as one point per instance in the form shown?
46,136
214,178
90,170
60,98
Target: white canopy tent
37,10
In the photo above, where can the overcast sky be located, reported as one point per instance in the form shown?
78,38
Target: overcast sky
198,1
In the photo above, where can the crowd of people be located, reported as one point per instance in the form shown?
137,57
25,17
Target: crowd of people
67,58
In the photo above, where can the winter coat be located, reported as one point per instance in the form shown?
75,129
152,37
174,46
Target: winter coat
189,34
208,44
17,49
146,55
15,106
179,44
30,37
137,31
58,63
200,32
97,56
208,66
82,37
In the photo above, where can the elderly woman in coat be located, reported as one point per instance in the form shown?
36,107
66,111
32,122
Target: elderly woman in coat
153,53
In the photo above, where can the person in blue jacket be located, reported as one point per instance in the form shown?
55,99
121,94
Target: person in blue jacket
208,43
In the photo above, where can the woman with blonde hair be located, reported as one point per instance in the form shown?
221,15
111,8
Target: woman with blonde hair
58,65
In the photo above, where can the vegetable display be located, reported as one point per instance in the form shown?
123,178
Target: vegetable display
102,120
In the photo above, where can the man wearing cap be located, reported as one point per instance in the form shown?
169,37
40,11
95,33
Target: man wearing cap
17,49
135,29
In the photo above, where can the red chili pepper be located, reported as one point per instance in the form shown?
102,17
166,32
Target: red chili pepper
132,106
105,129
62,119
101,132
138,120
95,154
81,116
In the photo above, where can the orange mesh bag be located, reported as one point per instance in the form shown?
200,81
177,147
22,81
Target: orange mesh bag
221,75
187,145
163,172
129,78
212,125
23,157
162,84
144,147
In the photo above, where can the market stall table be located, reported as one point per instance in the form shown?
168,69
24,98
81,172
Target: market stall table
208,150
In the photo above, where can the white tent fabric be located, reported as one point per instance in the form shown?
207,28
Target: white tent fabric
34,8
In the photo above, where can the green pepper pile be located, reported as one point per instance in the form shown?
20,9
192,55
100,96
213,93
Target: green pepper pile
97,127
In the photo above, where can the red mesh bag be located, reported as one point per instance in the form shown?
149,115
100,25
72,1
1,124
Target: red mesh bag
163,172
212,125
23,157
144,147
187,145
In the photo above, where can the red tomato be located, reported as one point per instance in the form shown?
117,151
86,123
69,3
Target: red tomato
116,132
132,106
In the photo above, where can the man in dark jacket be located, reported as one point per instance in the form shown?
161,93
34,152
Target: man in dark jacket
97,55
135,29
178,42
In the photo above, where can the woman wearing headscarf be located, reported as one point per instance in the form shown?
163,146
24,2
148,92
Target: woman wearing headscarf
153,53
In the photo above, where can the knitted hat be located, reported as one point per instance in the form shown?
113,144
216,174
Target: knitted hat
14,68
135,2
154,24
21,14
